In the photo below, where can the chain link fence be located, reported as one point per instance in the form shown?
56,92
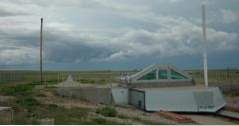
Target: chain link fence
215,77
227,80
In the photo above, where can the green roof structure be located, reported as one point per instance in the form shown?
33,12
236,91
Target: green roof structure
157,76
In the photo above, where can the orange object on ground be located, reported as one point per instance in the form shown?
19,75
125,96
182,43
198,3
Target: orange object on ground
175,116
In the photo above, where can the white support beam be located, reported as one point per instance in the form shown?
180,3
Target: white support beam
204,29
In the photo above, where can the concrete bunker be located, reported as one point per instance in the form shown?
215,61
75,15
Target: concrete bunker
155,88
177,99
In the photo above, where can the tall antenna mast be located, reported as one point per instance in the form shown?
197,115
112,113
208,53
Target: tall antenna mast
41,41
204,43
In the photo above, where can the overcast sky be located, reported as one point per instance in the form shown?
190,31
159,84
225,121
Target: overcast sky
117,34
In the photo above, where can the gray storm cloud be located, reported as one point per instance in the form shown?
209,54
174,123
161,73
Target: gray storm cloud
144,32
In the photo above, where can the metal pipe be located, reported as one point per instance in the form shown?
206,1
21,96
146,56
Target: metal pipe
204,43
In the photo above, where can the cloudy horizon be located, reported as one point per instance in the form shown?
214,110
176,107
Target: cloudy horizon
117,34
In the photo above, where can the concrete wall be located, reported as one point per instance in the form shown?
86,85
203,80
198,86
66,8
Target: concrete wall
170,100
184,99
157,84
120,96
91,94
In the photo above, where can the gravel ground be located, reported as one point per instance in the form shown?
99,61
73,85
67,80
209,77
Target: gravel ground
211,120
127,114
130,115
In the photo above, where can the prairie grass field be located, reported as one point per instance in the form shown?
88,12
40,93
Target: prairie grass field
53,77
31,104
225,76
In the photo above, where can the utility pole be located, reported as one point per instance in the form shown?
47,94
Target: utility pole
204,43
41,41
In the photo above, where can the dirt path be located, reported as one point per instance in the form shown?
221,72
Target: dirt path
129,114
211,120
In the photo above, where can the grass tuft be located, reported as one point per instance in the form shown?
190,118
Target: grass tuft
107,111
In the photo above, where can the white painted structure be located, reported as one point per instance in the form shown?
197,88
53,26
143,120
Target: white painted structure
204,29
165,88
120,95
183,99
175,99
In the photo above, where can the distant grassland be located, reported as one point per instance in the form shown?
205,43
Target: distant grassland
228,76
106,77
53,77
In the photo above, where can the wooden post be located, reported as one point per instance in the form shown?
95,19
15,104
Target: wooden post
58,77
41,41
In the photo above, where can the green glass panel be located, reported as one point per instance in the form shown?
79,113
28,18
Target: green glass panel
149,76
162,74
175,75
